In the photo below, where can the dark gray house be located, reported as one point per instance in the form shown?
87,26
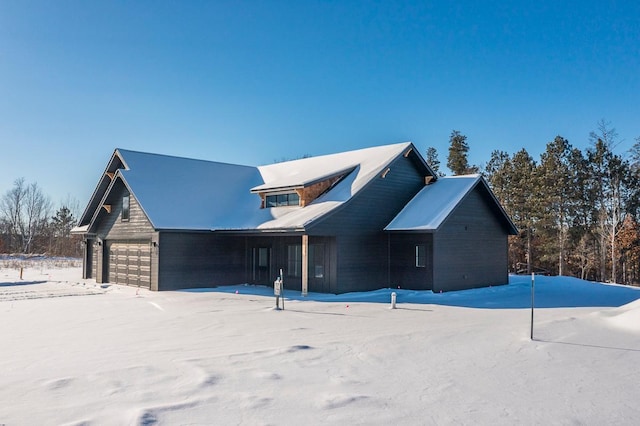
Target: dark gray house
360,220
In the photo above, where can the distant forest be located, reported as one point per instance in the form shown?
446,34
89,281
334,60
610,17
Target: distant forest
577,212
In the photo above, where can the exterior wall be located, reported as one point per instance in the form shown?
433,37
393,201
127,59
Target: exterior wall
196,260
470,248
110,227
362,245
403,269
278,259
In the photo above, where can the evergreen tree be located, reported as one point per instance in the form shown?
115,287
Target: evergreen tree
558,198
582,227
523,178
61,225
457,161
432,160
496,173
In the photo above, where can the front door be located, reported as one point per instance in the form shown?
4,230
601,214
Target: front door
318,280
261,265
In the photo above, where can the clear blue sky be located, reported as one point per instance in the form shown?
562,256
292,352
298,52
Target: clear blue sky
252,82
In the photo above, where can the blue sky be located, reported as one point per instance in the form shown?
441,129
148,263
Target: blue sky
251,82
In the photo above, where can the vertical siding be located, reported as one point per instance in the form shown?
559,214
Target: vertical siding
470,249
403,270
362,254
192,260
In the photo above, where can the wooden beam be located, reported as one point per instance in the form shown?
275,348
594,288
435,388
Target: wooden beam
107,207
428,179
385,173
305,264
406,154
111,175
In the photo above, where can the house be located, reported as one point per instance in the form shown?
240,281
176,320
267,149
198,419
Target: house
352,221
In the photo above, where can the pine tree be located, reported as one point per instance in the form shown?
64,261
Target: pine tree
432,160
61,225
496,173
457,160
524,194
558,198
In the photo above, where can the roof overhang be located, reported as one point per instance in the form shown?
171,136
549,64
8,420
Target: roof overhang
291,183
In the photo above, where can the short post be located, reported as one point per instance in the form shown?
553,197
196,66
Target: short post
533,286
282,287
393,300
277,288
21,269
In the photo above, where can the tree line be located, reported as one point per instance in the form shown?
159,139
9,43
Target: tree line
29,224
577,211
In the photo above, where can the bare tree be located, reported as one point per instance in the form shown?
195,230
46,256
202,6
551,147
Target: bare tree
25,210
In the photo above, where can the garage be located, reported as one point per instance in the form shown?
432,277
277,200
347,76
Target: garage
129,263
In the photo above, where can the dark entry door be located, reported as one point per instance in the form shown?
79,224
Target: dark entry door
318,269
261,265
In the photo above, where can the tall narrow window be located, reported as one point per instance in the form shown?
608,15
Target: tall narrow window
294,260
125,208
421,256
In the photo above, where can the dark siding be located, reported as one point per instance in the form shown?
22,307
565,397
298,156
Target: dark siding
362,254
470,248
403,270
278,246
111,225
196,260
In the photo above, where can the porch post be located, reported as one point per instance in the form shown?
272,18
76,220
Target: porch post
305,264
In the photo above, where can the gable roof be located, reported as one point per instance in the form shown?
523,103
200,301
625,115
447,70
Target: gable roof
188,194
429,209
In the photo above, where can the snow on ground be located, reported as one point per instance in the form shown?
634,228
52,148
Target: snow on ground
121,355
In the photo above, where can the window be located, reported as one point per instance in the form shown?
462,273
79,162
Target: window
279,200
263,257
126,210
294,260
421,256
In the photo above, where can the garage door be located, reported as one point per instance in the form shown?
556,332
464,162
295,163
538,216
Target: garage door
130,263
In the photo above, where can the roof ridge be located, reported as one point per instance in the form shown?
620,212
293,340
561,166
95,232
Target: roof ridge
155,154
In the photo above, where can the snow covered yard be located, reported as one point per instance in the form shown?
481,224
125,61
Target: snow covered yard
121,355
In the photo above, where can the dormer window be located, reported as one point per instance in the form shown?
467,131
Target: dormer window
281,200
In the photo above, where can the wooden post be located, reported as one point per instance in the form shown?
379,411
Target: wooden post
305,264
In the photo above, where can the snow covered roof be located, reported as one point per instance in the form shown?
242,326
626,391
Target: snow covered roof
435,202
183,193
306,171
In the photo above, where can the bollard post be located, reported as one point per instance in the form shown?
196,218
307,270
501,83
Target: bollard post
21,269
393,300
533,286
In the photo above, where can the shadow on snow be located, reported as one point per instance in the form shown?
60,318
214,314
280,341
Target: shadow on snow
550,292
18,283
